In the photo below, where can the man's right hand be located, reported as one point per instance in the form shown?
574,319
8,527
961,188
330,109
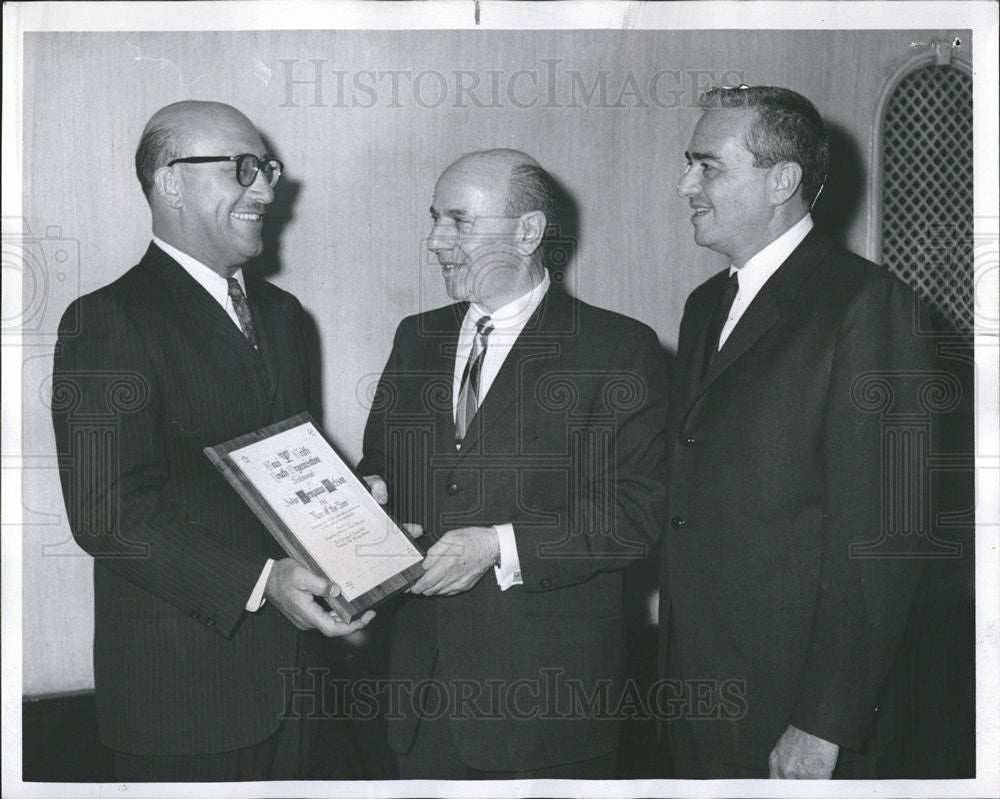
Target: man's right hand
293,588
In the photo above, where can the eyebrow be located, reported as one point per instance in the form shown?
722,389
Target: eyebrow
701,156
452,213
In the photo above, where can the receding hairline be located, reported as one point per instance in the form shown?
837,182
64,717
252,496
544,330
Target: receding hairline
185,128
785,126
497,156
497,163
751,113
500,161
190,116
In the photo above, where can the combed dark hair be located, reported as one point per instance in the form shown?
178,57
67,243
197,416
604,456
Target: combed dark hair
531,188
158,145
788,128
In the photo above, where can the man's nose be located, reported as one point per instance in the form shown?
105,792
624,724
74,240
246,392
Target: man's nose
261,188
687,186
438,238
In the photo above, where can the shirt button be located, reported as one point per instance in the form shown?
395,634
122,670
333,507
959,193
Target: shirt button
451,489
546,583
677,522
685,440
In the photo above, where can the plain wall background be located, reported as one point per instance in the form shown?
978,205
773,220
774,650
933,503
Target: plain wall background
346,232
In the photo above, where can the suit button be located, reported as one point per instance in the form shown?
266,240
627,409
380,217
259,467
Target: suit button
685,440
195,615
210,622
451,489
677,522
546,583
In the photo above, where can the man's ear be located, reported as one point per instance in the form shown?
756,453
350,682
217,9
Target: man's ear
167,187
786,177
530,232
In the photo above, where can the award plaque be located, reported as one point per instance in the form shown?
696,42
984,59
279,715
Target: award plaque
320,512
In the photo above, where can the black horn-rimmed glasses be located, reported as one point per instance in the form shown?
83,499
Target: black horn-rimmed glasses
247,166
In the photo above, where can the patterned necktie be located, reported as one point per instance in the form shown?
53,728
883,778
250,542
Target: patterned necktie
242,310
468,394
718,320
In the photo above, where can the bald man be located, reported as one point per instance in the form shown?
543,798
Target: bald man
197,612
523,429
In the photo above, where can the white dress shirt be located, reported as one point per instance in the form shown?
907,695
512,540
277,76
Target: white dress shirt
508,322
756,272
218,288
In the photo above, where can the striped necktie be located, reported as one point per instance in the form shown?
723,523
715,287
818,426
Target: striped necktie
242,309
468,394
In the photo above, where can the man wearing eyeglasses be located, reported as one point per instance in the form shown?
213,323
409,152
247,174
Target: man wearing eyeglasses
198,614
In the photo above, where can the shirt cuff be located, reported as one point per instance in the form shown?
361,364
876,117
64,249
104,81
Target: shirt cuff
256,600
509,571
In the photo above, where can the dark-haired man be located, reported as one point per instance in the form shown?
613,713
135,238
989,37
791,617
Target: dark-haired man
197,611
776,465
524,430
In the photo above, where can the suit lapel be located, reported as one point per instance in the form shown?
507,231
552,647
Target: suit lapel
765,310
755,322
267,338
443,345
701,312
553,316
195,306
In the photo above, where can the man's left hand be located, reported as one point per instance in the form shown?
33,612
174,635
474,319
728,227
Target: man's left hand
801,756
457,560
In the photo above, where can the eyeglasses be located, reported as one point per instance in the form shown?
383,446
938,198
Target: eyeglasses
247,166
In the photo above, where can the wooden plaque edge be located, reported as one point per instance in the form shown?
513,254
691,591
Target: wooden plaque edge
219,455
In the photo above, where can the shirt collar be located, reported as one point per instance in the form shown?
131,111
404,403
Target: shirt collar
511,317
758,269
206,277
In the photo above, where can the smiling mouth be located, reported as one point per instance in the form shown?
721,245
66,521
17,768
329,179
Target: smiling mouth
247,217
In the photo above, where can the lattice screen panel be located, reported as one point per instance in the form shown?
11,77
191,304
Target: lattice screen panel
927,191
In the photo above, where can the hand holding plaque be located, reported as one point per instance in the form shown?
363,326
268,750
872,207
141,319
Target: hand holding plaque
320,512
293,589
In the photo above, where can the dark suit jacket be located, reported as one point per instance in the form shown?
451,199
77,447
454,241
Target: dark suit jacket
157,372
568,446
776,470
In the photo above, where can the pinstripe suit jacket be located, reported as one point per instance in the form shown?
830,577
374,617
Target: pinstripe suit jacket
147,372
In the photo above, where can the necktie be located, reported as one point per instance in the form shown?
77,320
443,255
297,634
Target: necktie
468,394
719,316
242,310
